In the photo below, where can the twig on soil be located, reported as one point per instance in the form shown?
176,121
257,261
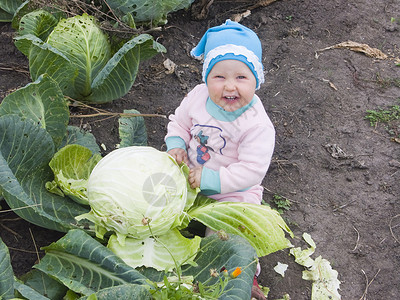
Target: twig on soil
103,112
358,239
34,243
10,230
10,220
280,164
330,84
23,250
343,206
391,228
368,283
16,69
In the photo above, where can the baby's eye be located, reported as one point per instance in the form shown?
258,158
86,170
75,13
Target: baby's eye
241,77
219,76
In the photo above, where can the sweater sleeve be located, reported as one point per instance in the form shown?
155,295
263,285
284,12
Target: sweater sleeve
173,142
181,122
254,156
210,183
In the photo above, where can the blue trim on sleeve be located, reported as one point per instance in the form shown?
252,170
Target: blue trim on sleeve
210,182
175,142
228,116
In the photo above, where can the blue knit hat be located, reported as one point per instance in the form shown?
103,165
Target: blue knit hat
230,41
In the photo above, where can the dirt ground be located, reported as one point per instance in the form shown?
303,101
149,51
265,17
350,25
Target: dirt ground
317,101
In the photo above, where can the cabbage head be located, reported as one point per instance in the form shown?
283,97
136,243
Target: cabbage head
138,192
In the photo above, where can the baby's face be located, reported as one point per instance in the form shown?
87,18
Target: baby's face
231,84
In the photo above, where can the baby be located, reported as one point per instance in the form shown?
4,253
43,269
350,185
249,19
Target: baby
221,129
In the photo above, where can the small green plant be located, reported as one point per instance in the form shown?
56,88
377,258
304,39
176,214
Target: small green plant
388,117
289,18
383,115
282,204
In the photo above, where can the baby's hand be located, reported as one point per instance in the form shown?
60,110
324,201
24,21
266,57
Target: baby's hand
179,155
195,177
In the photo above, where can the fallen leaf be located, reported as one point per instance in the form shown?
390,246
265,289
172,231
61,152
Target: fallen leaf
281,268
357,47
325,282
302,257
330,84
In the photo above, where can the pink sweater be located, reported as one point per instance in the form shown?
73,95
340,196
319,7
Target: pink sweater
234,148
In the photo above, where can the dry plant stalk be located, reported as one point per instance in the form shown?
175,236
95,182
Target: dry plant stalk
103,112
391,228
262,3
368,283
34,243
357,47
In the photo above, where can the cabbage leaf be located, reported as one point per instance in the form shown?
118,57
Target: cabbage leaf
85,266
146,10
6,272
72,166
40,23
156,252
262,226
325,282
24,171
302,257
8,8
132,129
76,135
32,123
43,102
36,283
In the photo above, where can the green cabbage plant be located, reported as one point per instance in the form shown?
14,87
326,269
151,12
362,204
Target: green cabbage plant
40,152
142,197
77,54
139,197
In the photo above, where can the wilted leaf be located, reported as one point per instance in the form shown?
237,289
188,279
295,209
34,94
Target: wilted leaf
357,47
302,257
325,283
281,268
